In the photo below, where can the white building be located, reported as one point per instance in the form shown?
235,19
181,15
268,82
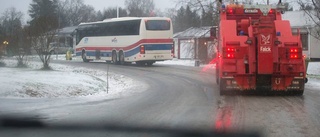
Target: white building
301,20
195,43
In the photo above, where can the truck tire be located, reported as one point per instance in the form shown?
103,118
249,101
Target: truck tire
221,88
299,92
217,76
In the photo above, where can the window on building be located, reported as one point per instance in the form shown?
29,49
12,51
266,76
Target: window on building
304,40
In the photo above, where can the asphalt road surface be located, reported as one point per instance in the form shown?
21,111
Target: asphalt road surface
187,98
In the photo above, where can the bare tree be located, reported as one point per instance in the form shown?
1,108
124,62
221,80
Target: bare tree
198,5
207,8
140,8
312,10
41,35
43,27
12,29
73,12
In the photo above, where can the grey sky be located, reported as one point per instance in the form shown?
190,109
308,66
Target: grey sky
23,5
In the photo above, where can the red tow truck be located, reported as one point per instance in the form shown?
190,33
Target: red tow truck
257,51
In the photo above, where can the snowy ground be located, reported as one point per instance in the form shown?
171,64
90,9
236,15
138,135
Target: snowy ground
64,81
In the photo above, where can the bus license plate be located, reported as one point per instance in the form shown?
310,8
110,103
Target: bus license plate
158,56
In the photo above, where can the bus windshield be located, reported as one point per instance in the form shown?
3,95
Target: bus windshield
158,25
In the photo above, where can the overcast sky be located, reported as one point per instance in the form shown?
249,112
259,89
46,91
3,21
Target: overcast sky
23,5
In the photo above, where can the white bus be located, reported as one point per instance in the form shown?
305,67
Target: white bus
125,40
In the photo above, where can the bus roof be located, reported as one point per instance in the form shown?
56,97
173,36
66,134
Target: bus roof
124,19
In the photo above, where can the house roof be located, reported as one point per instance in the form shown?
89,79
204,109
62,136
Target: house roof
194,32
298,19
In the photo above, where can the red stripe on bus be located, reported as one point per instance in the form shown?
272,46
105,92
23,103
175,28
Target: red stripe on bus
128,47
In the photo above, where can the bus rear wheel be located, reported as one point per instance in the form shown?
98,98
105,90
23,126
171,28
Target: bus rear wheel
84,56
121,58
140,63
114,58
149,63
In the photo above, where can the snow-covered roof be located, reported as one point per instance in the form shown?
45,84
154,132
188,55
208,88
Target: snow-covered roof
298,19
194,32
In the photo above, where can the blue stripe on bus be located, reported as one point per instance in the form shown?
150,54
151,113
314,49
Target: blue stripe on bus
132,52
93,53
149,47
158,47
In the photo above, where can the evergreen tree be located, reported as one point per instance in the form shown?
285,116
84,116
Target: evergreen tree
185,19
41,10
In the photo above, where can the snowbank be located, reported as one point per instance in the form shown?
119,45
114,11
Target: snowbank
314,68
64,81
178,62
187,63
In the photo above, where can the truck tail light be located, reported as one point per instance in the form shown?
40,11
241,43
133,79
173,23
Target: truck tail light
293,50
294,56
230,49
229,53
230,11
142,51
270,11
295,53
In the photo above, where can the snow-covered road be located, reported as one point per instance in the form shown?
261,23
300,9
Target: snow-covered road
178,97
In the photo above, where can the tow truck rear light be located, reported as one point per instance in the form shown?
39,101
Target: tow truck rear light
270,11
230,49
293,50
229,53
295,53
142,51
294,56
230,11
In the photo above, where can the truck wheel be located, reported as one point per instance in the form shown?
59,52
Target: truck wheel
221,88
299,92
217,76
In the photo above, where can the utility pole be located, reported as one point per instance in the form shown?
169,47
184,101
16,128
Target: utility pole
117,11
